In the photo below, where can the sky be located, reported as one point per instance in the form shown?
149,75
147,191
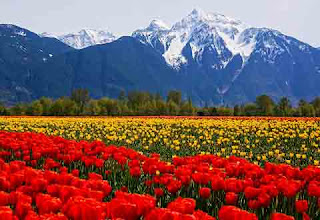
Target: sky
297,18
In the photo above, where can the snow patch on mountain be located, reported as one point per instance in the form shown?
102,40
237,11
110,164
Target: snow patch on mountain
217,35
199,30
21,33
47,34
84,38
173,55
157,24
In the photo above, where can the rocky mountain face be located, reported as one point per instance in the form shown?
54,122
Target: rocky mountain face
211,58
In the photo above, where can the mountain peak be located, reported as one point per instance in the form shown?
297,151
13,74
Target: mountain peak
199,17
198,12
157,24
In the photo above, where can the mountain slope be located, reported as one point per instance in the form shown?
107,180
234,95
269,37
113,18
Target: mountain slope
20,51
84,38
125,64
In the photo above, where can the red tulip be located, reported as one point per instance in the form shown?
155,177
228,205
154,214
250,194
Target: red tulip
95,176
6,213
264,200
217,183
183,205
205,192
108,172
4,198
233,185
120,209
254,204
231,198
202,215
305,216
81,208
280,216
137,205
99,163
161,213
251,192
201,178
301,206
47,204
39,185
124,189
135,172
22,209
158,192
33,163
234,213
174,187
75,172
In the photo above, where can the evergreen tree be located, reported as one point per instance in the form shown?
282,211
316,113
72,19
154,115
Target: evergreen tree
316,106
46,105
175,96
187,108
161,107
173,108
81,98
284,107
265,105
92,108
35,108
18,109
250,109
3,110
237,110
64,107
305,109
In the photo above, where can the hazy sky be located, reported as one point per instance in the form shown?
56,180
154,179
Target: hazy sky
298,18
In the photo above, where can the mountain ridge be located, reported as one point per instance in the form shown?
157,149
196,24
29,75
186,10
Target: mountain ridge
83,38
210,43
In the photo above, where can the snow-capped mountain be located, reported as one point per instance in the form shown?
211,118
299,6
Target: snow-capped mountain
199,30
221,36
84,38
225,52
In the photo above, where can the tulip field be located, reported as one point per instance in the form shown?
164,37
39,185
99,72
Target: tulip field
159,168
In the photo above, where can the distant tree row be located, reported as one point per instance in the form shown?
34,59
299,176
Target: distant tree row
80,103
145,103
265,106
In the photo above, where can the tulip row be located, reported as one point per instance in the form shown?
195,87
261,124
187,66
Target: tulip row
294,141
65,196
79,176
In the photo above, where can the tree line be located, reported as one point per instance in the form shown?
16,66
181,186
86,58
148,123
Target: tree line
137,103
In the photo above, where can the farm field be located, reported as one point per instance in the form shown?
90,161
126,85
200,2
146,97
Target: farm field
159,168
